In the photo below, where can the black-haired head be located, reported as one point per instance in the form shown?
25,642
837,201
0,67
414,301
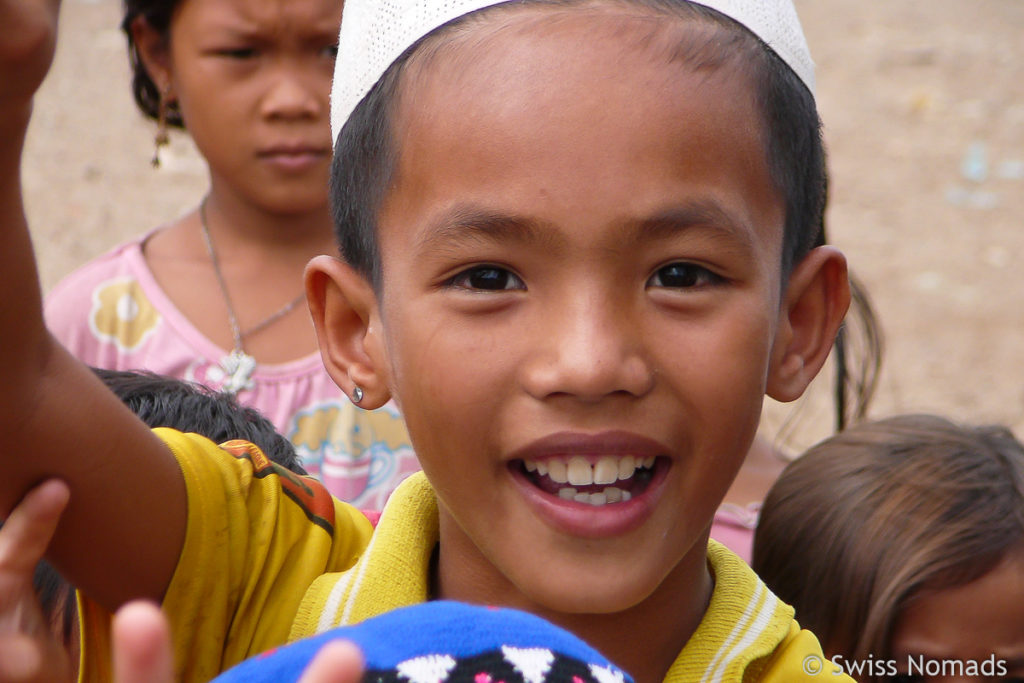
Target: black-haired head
764,38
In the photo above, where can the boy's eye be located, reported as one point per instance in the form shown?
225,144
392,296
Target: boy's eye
682,276
330,51
489,278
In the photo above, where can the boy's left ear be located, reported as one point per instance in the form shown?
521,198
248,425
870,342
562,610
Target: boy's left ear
813,307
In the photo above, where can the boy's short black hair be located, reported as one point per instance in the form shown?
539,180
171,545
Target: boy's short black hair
162,401
365,153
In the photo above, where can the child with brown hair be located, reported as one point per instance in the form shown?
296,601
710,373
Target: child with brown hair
901,544
579,246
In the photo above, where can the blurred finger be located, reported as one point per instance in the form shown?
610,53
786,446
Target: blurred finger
338,662
28,530
20,659
142,645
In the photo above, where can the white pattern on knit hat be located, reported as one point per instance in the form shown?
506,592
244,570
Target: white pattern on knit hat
374,33
532,663
426,669
604,674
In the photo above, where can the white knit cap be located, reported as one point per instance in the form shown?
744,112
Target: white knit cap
374,33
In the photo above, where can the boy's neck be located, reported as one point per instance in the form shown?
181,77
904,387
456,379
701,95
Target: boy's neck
644,639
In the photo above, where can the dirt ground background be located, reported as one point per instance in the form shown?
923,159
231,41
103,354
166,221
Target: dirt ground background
923,104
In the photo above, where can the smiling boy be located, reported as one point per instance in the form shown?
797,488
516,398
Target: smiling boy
579,248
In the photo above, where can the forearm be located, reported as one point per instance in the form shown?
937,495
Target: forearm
125,523
23,344
27,38
124,527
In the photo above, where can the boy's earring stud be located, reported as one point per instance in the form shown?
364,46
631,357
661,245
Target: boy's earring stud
357,395
161,139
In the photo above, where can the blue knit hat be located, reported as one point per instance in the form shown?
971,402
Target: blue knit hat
446,642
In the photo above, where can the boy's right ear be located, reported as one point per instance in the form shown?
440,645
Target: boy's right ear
347,320
154,54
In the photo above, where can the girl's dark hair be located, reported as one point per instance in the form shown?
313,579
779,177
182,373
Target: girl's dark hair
365,156
863,522
158,14
857,358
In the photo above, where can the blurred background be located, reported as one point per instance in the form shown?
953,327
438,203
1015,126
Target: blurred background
923,106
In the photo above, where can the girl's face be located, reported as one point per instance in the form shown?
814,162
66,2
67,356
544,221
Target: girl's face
252,79
982,621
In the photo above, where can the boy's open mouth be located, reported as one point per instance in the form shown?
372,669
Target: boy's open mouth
604,481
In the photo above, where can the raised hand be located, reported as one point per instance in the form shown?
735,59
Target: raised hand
29,652
103,536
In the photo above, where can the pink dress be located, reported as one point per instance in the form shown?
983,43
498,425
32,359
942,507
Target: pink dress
111,313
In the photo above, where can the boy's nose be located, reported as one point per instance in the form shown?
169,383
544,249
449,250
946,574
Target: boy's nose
589,350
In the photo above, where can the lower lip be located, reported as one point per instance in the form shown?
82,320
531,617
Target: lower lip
592,521
294,163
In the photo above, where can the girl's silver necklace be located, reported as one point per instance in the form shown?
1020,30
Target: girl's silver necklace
238,365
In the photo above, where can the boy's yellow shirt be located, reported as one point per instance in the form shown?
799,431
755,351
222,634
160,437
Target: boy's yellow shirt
270,557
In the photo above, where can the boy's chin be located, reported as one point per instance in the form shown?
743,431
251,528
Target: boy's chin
572,601
570,586
521,558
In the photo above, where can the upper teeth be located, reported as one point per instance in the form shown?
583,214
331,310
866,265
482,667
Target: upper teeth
578,471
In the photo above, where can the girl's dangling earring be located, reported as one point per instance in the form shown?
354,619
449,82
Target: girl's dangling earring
161,139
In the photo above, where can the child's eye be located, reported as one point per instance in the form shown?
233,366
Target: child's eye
238,52
330,51
682,276
489,278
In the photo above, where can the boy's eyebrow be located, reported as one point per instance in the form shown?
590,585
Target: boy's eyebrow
707,214
467,222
